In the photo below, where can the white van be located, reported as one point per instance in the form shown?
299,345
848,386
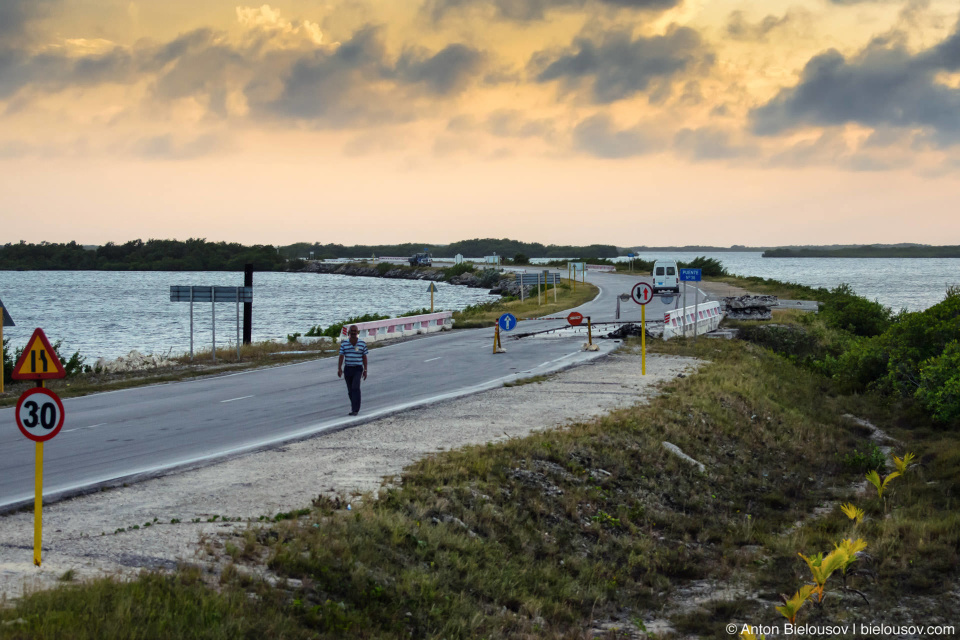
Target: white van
666,276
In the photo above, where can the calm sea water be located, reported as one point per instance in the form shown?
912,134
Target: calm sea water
911,283
106,313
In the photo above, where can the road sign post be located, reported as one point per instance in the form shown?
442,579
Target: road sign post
5,321
506,322
691,275
431,289
642,294
39,414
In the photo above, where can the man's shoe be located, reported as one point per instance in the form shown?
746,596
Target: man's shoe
352,413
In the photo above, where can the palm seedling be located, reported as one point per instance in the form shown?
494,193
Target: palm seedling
792,605
903,463
853,512
874,478
821,568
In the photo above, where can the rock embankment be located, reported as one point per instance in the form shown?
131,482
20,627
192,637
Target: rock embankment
749,307
486,279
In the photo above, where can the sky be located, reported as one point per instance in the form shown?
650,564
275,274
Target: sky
626,122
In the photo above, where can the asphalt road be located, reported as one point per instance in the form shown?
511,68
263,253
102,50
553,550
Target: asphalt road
138,433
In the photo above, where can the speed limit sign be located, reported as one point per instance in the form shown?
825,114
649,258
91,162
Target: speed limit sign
39,414
642,293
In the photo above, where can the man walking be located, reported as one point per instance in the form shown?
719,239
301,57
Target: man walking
353,352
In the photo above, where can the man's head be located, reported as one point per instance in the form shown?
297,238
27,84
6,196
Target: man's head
354,333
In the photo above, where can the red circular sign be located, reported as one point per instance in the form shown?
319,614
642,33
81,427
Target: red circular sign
575,318
39,414
642,293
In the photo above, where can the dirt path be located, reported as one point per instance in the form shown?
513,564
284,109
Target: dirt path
82,534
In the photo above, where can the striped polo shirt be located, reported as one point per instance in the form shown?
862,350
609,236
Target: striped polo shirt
353,355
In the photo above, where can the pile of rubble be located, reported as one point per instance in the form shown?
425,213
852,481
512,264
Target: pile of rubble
133,361
749,307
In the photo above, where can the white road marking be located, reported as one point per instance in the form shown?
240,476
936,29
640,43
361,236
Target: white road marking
432,359
99,424
232,399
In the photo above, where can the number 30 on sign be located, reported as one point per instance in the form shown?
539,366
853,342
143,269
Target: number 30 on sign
39,414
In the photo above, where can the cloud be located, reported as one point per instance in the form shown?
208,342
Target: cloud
445,73
598,136
169,147
276,68
510,123
709,143
16,18
616,66
885,85
530,10
739,29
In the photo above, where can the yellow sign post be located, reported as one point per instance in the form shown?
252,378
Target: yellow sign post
643,340
642,294
431,289
39,414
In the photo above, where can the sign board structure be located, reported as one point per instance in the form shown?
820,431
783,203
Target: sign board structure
642,293
7,321
431,288
539,278
39,414
690,275
507,322
213,295
38,361
575,319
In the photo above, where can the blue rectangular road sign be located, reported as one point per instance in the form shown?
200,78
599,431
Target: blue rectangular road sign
690,275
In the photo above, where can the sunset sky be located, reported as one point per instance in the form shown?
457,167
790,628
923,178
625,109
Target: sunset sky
627,122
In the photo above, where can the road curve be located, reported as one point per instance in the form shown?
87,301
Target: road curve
147,431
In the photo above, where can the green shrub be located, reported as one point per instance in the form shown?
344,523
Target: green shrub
489,278
333,331
845,310
939,391
710,267
870,459
521,258
384,267
457,270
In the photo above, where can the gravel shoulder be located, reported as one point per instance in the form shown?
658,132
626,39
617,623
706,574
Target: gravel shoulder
81,535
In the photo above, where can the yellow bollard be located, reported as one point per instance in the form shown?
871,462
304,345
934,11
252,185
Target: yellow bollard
589,332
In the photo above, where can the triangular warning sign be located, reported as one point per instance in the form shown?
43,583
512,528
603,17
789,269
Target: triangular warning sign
38,361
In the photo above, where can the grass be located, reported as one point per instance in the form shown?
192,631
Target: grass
525,381
486,314
538,536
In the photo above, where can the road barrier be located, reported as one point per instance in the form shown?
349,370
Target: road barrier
601,267
399,327
692,321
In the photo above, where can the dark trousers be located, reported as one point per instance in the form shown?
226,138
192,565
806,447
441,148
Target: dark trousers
352,376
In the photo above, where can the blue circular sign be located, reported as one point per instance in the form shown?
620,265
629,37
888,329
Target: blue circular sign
507,322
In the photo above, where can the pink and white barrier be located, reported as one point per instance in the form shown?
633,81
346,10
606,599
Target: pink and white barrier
399,327
601,267
683,322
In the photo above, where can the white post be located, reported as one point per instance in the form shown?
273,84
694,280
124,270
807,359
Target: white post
238,324
696,312
213,314
684,308
538,289
191,323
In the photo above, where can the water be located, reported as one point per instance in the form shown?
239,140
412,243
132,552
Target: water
106,313
911,283
109,313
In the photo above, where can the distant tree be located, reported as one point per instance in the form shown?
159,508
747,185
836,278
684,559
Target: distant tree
521,258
